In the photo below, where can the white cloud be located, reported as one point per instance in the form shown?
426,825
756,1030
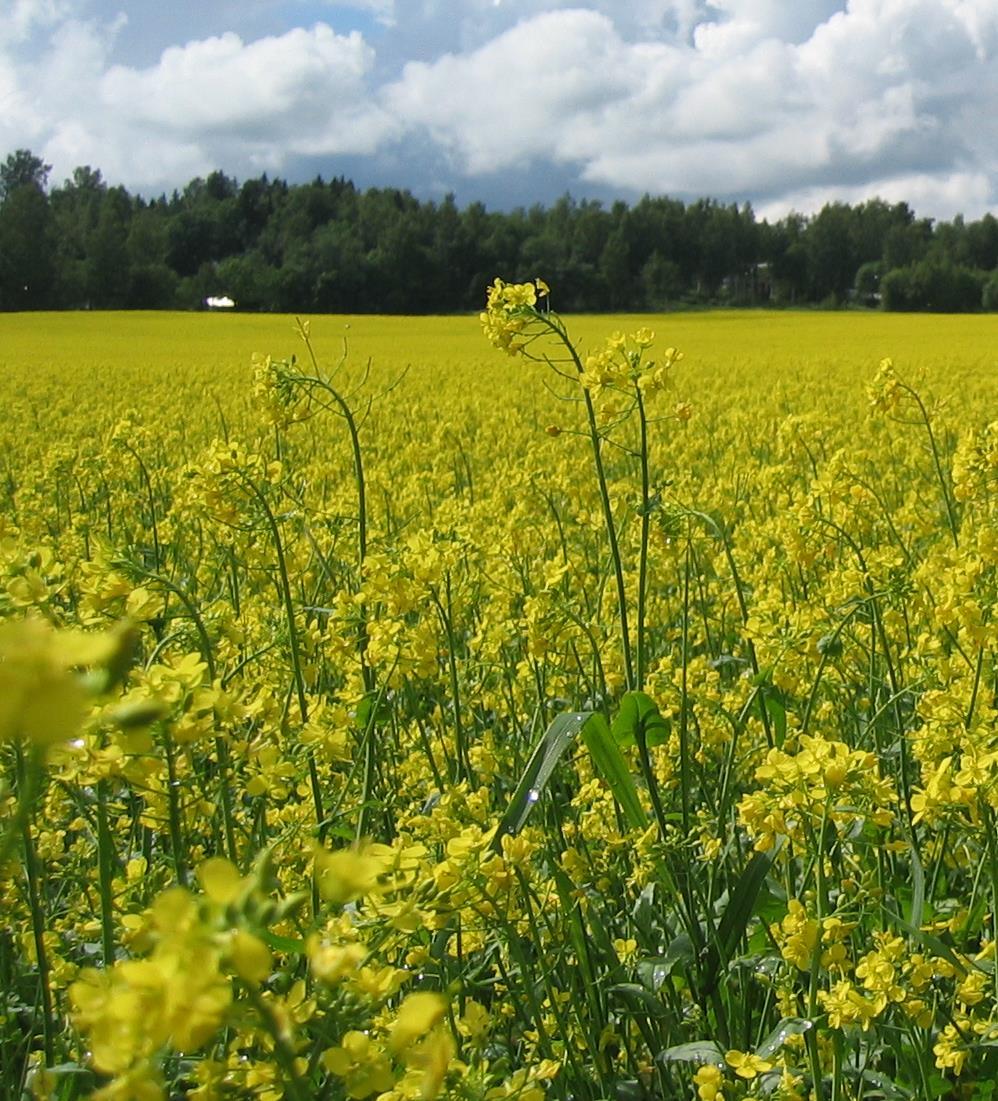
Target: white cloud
785,104
213,103
383,10
21,18
879,91
944,195
522,95
303,86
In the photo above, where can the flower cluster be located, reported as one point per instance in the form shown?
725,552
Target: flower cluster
510,319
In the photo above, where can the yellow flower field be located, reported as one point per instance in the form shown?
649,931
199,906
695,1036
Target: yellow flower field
386,716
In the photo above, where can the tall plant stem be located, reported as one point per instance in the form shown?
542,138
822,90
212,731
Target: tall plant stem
150,497
105,862
32,874
347,414
173,804
289,613
643,550
596,440
937,463
462,765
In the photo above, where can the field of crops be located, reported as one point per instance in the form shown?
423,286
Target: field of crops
386,716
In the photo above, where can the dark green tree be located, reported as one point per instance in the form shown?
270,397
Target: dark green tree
23,169
27,250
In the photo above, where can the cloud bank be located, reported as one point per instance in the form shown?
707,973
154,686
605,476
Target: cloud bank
784,105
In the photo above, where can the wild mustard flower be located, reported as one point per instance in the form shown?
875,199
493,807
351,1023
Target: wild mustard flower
709,1081
417,1014
747,1065
951,1048
363,1065
509,313
43,696
885,393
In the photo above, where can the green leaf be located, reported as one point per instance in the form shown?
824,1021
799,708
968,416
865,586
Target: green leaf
887,1088
773,704
735,919
282,944
700,1051
680,949
789,1026
372,708
610,764
639,715
653,972
581,944
637,997
917,890
547,753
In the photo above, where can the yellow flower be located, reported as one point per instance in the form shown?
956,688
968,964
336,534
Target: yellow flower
41,698
361,1063
249,956
416,1016
950,1050
747,1065
709,1082
348,874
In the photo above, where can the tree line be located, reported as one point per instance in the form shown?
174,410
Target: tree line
327,246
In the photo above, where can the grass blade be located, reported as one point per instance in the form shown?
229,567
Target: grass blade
610,764
548,752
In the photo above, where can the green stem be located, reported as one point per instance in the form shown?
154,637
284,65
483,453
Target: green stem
684,745
611,534
989,832
611,528
937,462
175,813
147,482
29,784
284,1053
643,551
289,614
105,863
32,874
358,469
462,763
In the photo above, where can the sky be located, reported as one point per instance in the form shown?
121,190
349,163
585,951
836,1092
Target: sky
787,104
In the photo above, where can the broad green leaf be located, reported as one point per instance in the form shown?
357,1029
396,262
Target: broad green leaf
654,972
887,1088
789,1026
700,1051
637,715
680,949
571,909
282,944
372,708
610,764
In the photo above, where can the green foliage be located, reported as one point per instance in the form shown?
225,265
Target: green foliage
935,285
326,246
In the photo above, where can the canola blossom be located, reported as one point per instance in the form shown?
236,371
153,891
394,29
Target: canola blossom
512,707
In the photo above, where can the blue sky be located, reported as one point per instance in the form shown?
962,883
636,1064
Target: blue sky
786,104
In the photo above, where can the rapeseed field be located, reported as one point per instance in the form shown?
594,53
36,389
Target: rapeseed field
510,707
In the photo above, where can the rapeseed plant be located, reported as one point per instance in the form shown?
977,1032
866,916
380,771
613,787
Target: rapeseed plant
357,741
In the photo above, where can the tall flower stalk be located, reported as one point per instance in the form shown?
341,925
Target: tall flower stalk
614,384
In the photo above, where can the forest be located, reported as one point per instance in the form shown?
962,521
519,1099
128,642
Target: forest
328,246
